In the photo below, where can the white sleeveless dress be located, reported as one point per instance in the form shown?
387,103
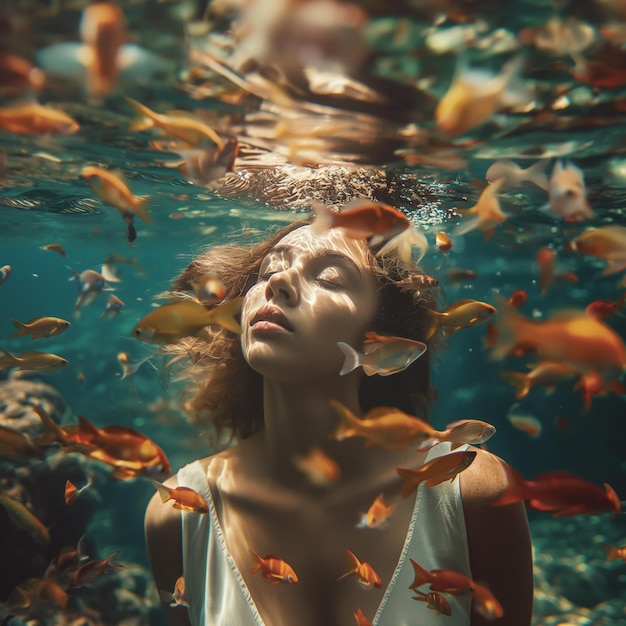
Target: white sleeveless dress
436,539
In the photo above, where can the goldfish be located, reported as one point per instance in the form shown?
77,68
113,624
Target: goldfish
564,493
461,432
5,272
459,274
30,118
21,516
460,314
434,472
55,247
526,423
402,245
177,598
592,383
113,189
515,176
443,242
604,308
318,467
360,618
18,75
568,335
605,242
546,374
361,219
518,298
34,599
485,603
124,448
113,308
40,327
474,96
441,580
208,289
611,552
72,493
275,569
545,263
89,571
182,126
377,515
185,499
434,601
14,444
567,193
384,427
32,360
487,212
417,282
367,576
185,318
382,355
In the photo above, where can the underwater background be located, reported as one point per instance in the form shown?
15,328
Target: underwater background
372,136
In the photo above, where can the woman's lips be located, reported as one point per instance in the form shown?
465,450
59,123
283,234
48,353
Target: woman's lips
270,317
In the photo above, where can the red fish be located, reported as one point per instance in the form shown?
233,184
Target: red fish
442,580
611,552
561,492
604,308
360,618
275,569
518,298
185,499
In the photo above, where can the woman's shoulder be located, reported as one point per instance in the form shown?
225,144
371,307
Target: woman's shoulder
484,480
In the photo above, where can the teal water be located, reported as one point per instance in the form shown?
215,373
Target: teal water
44,199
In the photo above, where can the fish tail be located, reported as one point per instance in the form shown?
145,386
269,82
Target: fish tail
22,329
7,359
520,382
508,330
324,218
86,427
141,208
354,565
144,119
224,315
352,358
348,422
256,568
515,490
610,553
164,492
536,174
410,481
51,431
422,576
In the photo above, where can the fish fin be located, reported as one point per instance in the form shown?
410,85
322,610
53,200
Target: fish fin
144,119
163,491
21,329
224,315
86,427
324,218
347,422
536,174
410,481
422,576
352,358
520,382
142,210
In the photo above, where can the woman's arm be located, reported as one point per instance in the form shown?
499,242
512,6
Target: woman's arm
500,548
164,541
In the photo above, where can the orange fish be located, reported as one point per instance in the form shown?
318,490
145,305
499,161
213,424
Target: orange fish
526,423
487,212
561,492
177,598
434,601
24,519
275,569
434,472
515,176
32,360
18,75
377,515
605,242
182,126
443,242
546,374
89,571
485,603
113,189
185,318
208,289
611,552
441,580
30,118
40,327
367,577
474,96
185,499
318,467
384,427
460,432
72,492
569,336
103,31
361,219
518,298
35,597
360,618
546,258
460,314
567,193
55,247
604,308
382,355
592,383
460,275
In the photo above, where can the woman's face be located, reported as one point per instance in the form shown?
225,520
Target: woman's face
312,291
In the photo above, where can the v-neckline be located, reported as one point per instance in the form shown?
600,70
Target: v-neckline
221,540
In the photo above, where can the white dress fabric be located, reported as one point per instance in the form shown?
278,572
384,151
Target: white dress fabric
436,539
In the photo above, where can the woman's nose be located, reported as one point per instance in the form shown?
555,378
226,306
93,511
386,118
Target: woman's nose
281,286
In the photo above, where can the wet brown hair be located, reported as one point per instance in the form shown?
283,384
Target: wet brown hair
229,394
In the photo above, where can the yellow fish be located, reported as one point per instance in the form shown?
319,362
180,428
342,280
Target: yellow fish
32,360
24,519
186,318
40,327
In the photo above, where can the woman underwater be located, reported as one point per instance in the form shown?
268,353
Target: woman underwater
272,387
